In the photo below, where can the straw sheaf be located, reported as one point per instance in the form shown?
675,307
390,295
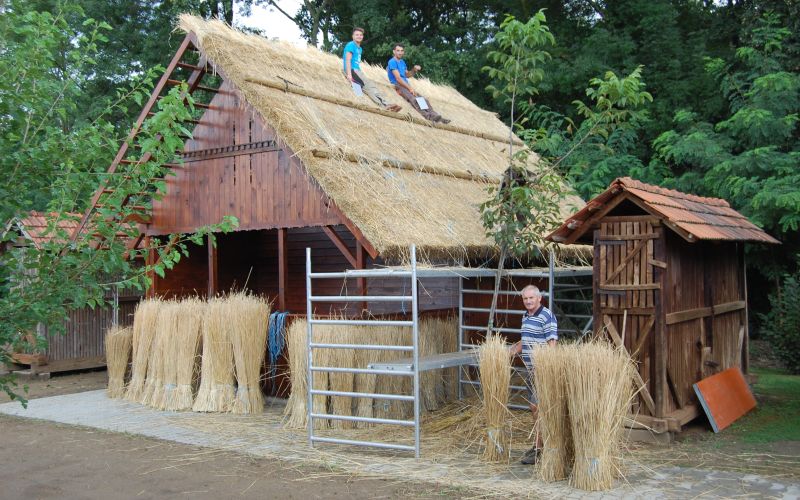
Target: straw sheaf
296,407
118,351
248,316
378,169
495,371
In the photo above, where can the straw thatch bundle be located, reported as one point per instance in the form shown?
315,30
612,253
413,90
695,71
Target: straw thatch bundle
448,330
216,392
165,355
600,388
365,382
154,385
118,352
430,381
144,320
184,352
495,373
248,318
323,334
552,365
340,381
407,170
296,343
394,384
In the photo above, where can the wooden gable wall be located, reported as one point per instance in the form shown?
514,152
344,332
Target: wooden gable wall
230,169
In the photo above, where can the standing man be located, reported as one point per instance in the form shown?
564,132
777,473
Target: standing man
398,76
539,329
351,57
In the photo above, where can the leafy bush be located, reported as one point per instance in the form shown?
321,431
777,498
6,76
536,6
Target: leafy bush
782,323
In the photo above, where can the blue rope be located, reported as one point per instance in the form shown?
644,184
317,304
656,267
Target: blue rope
277,339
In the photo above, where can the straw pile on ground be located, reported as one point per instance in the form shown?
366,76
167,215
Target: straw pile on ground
296,342
216,392
144,321
185,346
495,373
407,168
552,365
600,389
247,317
118,352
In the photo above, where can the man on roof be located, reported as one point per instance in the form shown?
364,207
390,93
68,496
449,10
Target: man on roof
398,75
351,59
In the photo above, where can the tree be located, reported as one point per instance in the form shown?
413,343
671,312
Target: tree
49,159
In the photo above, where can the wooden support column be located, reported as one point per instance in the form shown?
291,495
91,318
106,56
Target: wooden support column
745,316
361,261
212,269
150,260
282,269
660,344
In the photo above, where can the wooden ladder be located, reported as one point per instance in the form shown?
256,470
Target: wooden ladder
142,204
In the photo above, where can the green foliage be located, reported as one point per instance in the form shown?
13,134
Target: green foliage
750,156
49,159
782,323
602,146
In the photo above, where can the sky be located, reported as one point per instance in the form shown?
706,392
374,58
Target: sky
273,23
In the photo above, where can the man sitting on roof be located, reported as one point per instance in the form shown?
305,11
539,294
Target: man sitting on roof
351,57
398,75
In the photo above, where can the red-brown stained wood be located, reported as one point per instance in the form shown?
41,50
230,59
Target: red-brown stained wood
263,190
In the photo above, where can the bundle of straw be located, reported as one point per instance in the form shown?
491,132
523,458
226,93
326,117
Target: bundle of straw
365,382
165,356
189,324
394,384
154,384
144,320
551,375
216,391
342,381
430,381
448,330
248,318
495,372
322,334
118,351
600,390
297,344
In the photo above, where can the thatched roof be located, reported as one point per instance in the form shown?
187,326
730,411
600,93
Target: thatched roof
399,178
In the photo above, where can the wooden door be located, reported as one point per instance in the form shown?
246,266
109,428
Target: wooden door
627,286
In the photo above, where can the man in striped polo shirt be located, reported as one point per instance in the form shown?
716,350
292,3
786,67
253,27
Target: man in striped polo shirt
539,329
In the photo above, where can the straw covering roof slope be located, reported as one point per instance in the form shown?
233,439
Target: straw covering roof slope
399,178
693,217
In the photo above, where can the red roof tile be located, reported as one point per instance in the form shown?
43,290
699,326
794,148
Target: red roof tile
693,217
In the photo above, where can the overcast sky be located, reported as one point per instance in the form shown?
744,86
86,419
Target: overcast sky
273,23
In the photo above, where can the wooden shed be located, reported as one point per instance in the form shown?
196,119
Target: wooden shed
670,285
81,345
285,146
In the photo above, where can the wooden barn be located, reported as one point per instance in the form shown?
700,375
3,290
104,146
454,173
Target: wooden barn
669,285
283,144
81,345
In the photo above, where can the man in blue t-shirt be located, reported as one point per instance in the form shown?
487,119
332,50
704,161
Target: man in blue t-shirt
398,76
351,59
539,329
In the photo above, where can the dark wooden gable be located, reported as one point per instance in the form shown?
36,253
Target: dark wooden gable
236,165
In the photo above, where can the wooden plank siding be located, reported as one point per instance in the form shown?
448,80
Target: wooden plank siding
263,190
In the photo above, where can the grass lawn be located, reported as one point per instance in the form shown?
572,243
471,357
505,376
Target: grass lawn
777,416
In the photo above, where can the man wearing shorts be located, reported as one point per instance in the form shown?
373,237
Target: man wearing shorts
539,329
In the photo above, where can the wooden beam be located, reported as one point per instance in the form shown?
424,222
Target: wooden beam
283,269
745,320
702,312
149,261
340,245
637,248
660,345
361,258
612,331
643,335
213,284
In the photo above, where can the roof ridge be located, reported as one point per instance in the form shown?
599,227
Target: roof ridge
630,183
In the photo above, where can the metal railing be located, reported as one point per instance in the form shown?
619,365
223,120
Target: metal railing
414,349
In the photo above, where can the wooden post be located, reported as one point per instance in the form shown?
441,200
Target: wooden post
361,261
743,284
212,269
660,341
282,269
150,261
597,320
